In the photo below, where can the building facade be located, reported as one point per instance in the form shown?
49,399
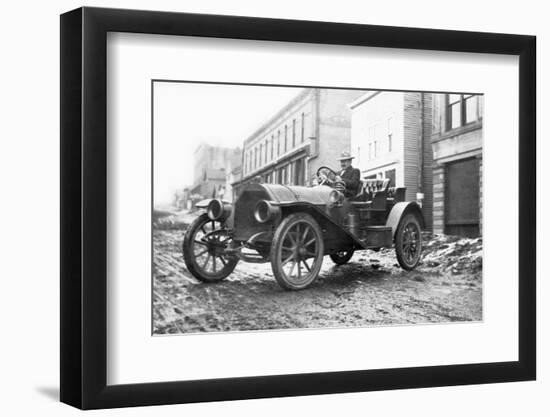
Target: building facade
457,142
210,166
233,176
391,138
309,132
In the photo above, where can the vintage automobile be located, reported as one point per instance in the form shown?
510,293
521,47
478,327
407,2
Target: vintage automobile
294,227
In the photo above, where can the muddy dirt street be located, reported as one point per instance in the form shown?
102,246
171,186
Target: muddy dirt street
370,290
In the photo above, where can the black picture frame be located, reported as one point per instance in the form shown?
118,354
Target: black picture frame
83,207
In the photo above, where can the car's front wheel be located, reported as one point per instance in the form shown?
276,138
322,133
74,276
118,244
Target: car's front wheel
204,248
297,251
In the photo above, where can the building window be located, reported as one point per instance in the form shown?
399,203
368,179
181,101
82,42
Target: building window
255,157
370,139
471,108
265,156
272,145
289,174
461,110
286,138
391,176
390,134
293,133
261,153
299,176
302,133
278,142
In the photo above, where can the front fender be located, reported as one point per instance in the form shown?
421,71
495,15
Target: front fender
399,210
204,203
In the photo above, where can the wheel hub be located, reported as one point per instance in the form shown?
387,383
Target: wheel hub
301,252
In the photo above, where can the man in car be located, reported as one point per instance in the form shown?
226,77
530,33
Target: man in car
349,175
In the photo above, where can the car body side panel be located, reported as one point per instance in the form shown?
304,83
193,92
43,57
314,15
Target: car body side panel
336,237
313,200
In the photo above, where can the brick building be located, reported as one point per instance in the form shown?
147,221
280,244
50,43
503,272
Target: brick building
457,140
390,138
309,132
210,166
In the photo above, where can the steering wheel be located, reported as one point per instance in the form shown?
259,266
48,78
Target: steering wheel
328,176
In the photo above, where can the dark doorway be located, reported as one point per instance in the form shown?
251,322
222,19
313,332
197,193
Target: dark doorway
462,198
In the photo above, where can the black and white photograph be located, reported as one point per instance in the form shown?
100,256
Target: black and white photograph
303,207
244,208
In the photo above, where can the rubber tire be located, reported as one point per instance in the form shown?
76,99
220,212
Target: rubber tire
408,218
190,260
341,260
278,240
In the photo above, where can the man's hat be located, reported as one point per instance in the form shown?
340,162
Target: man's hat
345,156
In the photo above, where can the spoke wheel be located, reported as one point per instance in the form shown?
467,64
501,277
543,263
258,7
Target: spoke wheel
297,251
408,242
342,257
203,250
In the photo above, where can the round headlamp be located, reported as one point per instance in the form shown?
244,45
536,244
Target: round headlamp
217,210
265,211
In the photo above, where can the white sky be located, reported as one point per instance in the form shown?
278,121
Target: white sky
187,114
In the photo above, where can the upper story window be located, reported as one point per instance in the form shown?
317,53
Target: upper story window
272,145
278,142
461,110
293,133
302,133
286,138
372,140
261,153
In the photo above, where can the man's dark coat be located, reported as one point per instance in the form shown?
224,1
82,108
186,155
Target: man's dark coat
352,177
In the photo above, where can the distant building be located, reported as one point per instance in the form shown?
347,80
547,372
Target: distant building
307,133
210,169
391,138
232,181
181,198
457,141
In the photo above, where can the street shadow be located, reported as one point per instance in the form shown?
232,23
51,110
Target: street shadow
50,392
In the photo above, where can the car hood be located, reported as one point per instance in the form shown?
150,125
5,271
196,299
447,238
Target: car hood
289,194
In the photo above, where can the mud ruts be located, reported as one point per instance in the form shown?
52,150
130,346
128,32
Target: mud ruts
370,290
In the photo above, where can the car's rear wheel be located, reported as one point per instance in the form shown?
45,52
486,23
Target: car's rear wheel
297,251
204,248
342,257
408,242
